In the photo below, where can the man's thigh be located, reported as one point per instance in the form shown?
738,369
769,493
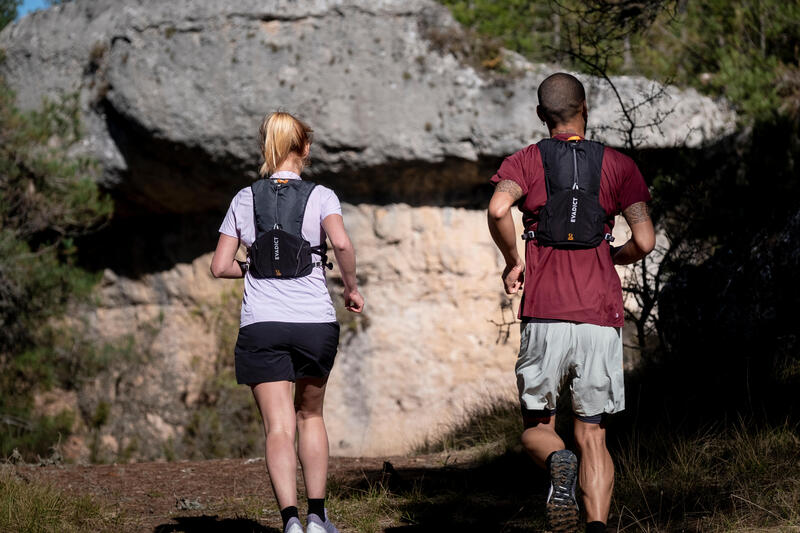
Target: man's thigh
543,363
598,384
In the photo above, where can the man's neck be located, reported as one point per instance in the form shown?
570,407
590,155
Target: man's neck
574,128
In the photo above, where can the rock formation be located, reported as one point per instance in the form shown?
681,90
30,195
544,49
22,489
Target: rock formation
406,131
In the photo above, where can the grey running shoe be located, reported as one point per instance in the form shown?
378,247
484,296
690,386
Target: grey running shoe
562,508
293,526
316,525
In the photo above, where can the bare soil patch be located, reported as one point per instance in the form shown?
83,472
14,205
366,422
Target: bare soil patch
231,495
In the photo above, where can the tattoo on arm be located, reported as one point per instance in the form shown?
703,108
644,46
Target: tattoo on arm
511,188
636,213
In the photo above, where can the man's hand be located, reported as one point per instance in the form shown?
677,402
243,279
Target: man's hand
353,301
514,278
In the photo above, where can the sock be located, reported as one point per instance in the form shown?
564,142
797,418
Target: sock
595,527
317,507
288,513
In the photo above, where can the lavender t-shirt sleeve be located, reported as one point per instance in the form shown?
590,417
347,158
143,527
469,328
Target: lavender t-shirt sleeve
329,203
228,226
238,220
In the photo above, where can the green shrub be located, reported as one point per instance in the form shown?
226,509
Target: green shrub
47,199
745,51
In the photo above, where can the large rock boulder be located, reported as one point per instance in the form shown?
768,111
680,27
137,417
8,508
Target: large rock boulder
173,93
407,131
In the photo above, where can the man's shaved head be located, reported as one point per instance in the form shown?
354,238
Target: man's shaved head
561,98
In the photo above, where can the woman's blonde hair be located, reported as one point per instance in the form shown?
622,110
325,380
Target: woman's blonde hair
281,134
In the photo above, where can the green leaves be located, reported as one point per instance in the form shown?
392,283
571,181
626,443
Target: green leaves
8,11
743,50
48,197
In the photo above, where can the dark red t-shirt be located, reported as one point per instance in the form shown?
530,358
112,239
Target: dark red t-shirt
573,285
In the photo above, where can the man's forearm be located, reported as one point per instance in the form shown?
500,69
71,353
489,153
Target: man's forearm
504,235
628,253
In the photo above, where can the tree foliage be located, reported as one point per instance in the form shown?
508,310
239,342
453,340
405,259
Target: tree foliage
744,50
8,11
48,197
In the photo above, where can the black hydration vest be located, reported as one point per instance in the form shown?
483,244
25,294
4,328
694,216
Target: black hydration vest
572,217
280,251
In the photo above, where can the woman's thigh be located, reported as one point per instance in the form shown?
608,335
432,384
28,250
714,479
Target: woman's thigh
274,400
309,396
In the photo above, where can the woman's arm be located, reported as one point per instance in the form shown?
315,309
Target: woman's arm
224,263
346,258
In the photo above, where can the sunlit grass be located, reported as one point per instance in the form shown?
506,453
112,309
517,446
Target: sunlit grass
34,507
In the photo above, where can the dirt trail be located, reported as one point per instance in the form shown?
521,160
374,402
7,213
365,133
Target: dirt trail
195,496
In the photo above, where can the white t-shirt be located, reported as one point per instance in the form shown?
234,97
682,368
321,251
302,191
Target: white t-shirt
303,299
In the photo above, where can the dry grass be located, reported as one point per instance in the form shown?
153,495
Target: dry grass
28,507
720,479
737,477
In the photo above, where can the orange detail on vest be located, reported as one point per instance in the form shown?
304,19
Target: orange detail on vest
575,138
570,237
282,181
278,273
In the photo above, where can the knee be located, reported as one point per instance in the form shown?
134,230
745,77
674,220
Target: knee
280,432
305,414
534,433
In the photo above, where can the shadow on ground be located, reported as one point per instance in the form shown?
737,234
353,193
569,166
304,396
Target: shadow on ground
212,524
504,493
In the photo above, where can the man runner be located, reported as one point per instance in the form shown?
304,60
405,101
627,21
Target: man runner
571,309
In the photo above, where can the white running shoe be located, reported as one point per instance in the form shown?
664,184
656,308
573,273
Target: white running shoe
293,526
315,524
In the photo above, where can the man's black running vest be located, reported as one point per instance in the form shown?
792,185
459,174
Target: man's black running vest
280,251
572,217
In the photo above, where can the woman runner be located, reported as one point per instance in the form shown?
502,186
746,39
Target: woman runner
289,332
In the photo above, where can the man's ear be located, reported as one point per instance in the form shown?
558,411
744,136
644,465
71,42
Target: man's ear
540,114
306,150
585,111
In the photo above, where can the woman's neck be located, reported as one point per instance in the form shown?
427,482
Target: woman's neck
291,164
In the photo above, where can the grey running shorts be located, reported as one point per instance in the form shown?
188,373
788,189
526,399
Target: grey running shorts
588,357
285,351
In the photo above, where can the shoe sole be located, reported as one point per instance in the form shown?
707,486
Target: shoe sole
562,509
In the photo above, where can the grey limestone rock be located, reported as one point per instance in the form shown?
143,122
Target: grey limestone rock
173,94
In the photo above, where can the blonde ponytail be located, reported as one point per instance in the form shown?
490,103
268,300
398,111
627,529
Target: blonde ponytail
280,135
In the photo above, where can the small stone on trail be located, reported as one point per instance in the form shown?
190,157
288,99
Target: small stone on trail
185,504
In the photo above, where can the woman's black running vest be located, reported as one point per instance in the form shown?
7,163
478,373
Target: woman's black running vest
572,217
280,251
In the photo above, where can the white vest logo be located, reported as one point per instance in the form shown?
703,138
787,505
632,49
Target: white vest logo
276,248
574,213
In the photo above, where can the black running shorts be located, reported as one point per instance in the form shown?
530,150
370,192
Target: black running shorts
285,351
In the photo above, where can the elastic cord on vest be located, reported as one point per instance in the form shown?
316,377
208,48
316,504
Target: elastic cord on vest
574,167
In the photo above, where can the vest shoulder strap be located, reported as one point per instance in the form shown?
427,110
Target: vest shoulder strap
280,204
568,162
